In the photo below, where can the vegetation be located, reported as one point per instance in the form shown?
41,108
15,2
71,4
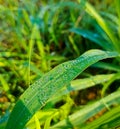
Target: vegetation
50,77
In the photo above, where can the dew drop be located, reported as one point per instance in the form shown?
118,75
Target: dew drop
32,87
26,100
66,66
41,100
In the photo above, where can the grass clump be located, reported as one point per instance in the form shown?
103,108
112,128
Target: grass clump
36,38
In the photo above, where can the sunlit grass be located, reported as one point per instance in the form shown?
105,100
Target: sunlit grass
36,36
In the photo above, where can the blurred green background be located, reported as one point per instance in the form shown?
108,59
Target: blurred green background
35,36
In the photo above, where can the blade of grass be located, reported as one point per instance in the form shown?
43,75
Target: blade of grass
30,48
91,11
107,66
3,120
77,119
77,84
43,116
71,39
106,85
117,5
41,50
39,93
80,84
4,84
96,38
37,122
109,120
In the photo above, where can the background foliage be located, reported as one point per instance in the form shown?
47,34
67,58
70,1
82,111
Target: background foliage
36,36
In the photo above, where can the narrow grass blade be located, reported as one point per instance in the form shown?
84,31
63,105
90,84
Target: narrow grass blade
78,118
4,84
110,120
117,5
107,66
3,120
107,85
96,38
39,93
37,122
80,84
91,11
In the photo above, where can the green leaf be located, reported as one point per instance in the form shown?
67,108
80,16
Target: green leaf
103,24
107,66
80,84
78,118
39,93
95,37
3,120
109,120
